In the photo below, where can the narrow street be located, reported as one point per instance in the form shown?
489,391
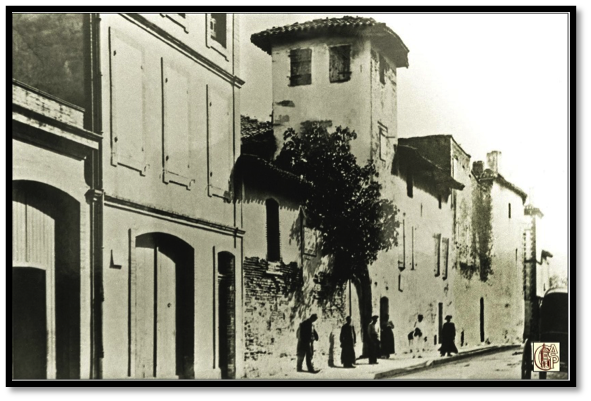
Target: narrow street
502,365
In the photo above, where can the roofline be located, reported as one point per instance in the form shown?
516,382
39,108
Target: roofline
441,136
457,185
264,40
507,184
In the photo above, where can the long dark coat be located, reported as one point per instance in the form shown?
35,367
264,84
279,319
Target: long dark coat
387,342
448,336
306,338
348,340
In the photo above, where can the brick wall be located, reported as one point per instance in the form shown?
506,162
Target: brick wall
277,298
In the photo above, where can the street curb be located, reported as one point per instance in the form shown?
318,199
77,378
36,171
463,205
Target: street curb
431,363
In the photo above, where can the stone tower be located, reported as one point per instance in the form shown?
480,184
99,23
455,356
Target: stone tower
339,70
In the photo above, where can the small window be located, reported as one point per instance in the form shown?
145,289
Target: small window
217,28
273,247
340,63
437,239
301,67
509,210
445,253
400,282
409,187
439,200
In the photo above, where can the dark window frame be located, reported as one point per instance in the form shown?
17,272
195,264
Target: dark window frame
300,67
339,65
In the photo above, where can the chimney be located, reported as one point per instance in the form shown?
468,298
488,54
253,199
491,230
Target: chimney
477,168
493,160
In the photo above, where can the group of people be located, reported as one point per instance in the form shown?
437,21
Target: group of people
307,334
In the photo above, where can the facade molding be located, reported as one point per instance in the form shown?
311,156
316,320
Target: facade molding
183,48
151,211
47,124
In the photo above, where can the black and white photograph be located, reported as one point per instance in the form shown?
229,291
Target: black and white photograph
265,196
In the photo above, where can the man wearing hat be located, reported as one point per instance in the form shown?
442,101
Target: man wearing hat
448,336
306,336
374,342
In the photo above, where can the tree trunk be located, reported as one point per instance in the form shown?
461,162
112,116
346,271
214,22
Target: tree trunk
363,287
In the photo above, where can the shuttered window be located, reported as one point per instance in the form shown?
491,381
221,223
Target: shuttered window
301,67
176,125
220,141
340,63
127,103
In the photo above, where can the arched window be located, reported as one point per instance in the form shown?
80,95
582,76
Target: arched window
273,252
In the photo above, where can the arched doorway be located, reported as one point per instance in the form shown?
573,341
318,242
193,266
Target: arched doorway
45,282
227,315
164,292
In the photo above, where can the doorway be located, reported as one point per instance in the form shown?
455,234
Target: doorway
481,320
45,282
165,320
440,321
227,315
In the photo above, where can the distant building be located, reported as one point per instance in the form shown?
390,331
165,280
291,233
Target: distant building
426,267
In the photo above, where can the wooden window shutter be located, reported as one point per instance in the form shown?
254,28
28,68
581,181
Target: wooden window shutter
437,238
340,63
301,67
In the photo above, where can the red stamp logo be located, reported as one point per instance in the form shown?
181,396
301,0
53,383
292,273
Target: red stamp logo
546,357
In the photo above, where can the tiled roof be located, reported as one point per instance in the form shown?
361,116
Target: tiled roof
250,127
257,138
345,26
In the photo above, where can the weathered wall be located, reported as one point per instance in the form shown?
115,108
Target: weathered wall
507,295
344,103
279,295
420,289
49,54
277,300
495,242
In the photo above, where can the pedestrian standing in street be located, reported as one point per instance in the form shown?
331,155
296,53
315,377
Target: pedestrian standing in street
306,336
374,341
387,340
348,340
448,336
418,333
